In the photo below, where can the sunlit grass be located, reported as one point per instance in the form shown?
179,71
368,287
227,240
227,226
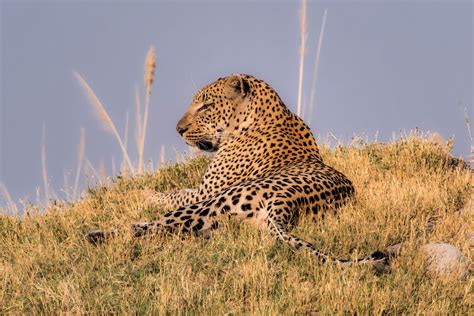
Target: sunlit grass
47,267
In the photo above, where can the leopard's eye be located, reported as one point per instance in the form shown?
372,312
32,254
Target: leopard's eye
205,106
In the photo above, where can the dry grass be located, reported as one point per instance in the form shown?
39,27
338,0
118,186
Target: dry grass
469,132
150,66
141,120
44,170
80,159
46,267
104,117
302,54
11,206
314,82
138,118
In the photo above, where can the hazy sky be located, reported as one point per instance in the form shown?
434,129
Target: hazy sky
385,67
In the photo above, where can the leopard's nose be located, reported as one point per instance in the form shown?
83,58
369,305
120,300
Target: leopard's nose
181,130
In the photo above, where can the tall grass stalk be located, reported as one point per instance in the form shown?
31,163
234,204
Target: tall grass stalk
150,65
162,156
6,195
80,158
302,53
312,99
67,189
114,169
92,169
138,118
125,138
102,172
471,138
44,171
104,117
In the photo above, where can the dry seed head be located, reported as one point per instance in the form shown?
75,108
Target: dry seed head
104,117
150,65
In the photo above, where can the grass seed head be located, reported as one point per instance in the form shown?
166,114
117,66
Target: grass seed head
150,66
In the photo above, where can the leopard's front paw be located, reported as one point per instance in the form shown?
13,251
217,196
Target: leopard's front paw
99,236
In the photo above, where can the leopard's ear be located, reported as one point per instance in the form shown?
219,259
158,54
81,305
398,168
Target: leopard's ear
236,86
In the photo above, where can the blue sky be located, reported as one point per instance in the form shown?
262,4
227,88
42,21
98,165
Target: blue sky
385,66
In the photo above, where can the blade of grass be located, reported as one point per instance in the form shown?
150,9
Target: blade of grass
102,172
80,159
302,53
316,68
92,169
4,192
104,117
44,172
125,136
67,189
150,65
471,138
138,118
162,156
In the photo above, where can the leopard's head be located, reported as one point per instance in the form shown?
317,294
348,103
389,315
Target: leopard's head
215,111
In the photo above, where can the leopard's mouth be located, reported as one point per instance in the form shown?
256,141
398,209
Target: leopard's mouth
206,145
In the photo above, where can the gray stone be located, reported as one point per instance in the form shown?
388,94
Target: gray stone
445,261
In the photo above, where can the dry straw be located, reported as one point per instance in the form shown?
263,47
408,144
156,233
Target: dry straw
138,118
316,67
44,172
92,172
162,156
125,139
302,53
80,158
104,117
6,195
150,66
66,189
471,138
102,172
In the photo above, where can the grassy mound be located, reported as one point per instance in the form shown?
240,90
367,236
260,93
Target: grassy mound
46,265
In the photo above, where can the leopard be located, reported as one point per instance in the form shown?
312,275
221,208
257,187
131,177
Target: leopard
267,169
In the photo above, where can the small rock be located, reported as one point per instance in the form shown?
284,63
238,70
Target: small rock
445,260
